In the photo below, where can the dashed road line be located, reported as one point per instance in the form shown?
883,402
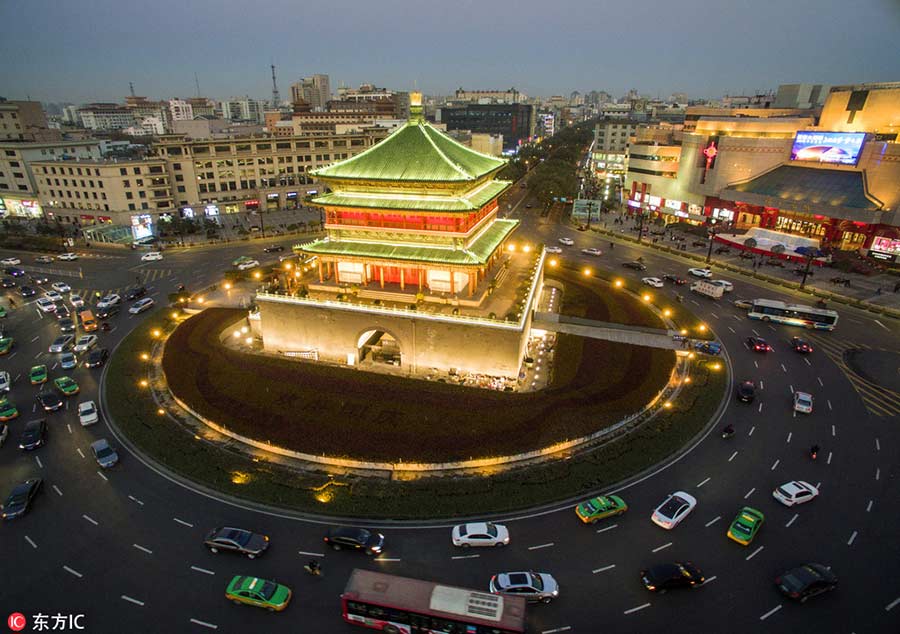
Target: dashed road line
750,492
833,431
80,453
754,553
704,482
100,473
466,557
877,474
30,541
877,445
125,597
38,460
72,572
640,607
539,546
807,362
852,538
58,492
760,408
203,570
732,456
791,521
769,613
792,388
391,559
819,379
204,624
69,427
604,568
35,338
789,436
606,528
564,628
91,520
755,333
830,408
783,368
711,579
713,314
303,552
713,521
142,549
869,507
134,499
750,433
659,548
732,330
775,465
881,324
890,606
183,522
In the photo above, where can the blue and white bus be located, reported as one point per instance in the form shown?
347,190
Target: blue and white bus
793,314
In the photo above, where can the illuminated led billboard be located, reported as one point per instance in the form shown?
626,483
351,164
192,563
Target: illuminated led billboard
842,148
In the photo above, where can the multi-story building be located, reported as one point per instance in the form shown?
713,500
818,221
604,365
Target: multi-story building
315,90
71,116
515,122
24,121
243,109
806,96
202,107
181,110
106,116
142,108
490,96
612,135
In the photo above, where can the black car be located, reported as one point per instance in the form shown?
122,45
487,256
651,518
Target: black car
96,358
758,344
806,581
801,345
20,499
14,271
135,293
50,401
340,537
274,248
236,540
66,325
34,434
39,279
669,277
62,312
637,266
746,391
27,291
681,574
108,311
8,282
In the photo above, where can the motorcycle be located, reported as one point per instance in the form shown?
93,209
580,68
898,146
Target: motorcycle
728,432
314,569
814,451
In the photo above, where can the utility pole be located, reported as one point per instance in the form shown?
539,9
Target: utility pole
276,98
590,208
197,83
711,237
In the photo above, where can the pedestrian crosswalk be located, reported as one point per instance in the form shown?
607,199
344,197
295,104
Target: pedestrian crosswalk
151,275
879,400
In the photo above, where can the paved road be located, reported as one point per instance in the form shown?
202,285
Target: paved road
124,547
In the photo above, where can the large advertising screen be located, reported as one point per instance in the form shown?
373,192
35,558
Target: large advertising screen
842,148
142,226
885,245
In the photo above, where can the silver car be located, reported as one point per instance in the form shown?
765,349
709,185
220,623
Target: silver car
105,455
68,361
62,343
533,586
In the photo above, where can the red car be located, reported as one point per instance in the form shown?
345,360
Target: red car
758,344
801,345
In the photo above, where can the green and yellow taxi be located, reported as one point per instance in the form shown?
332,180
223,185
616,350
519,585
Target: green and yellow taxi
599,508
6,344
2,312
66,385
746,525
8,411
38,374
258,592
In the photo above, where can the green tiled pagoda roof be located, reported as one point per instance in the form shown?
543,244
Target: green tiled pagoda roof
477,253
414,152
466,202
791,184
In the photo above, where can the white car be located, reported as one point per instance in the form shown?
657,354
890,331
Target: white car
68,257
85,343
795,492
76,301
61,344
61,287
553,249
45,305
592,251
480,534
10,261
68,361
655,282
87,413
53,296
109,300
5,381
151,257
566,241
141,305
725,284
247,264
700,272
673,509
803,402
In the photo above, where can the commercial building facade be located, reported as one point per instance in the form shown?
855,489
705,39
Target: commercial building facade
514,121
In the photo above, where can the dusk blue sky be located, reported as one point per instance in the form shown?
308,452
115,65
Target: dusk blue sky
88,50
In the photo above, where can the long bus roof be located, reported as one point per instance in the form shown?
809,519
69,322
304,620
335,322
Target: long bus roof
480,608
774,303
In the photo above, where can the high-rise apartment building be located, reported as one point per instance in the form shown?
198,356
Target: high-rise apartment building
515,122
106,116
243,109
315,90
181,110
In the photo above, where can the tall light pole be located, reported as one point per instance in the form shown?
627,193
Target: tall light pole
810,253
711,237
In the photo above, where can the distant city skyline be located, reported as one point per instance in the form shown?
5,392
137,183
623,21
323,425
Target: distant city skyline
90,51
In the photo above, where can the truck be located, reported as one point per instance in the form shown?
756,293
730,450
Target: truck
713,291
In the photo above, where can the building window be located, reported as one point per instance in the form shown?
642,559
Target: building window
137,170
176,166
179,178
126,183
140,182
142,194
180,189
129,196
145,206
123,171
130,206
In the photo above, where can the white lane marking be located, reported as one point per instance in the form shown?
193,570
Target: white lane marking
466,557
772,328
640,607
183,522
134,499
881,324
829,460
890,606
732,456
877,445
852,538
604,568
386,559
818,485
819,379
40,464
73,572
18,376
792,388
713,521
736,317
731,329
791,521
760,408
205,624
303,552
770,613
607,528
783,368
695,303
702,483
67,406
833,431
80,453
130,600
775,465
141,548
69,427
807,362
829,405
750,492
761,385
58,492
750,433
790,435
539,546
564,628
869,507
203,570
756,365
711,579
34,408
755,333
100,473
713,314
91,520
54,366
877,474
36,338
30,541
753,554
659,548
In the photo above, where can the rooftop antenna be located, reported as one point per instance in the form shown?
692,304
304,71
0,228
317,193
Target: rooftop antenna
197,83
276,98
131,88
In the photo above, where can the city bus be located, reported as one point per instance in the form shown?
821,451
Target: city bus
793,314
399,605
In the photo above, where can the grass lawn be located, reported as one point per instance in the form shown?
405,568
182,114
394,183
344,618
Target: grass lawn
338,411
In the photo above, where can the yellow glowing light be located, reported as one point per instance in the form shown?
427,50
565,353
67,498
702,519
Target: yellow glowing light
143,383
174,315
324,497
227,286
586,272
667,312
237,334
667,404
145,356
684,331
160,411
702,327
527,248
156,332
691,355
240,477
618,283
511,247
687,379
288,266
296,273
646,297
552,262
244,329
716,366
248,340
200,300
257,275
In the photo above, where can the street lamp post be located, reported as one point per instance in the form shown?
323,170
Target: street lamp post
641,226
711,237
590,208
810,253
